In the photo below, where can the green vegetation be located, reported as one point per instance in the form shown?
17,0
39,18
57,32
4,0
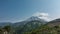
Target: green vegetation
5,30
43,29
32,27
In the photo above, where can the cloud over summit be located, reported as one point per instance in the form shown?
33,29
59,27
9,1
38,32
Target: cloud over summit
44,16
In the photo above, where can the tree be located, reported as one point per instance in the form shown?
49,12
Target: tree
0,31
7,29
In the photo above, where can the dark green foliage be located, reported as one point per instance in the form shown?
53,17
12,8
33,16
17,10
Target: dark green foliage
46,30
56,27
33,27
7,28
43,29
0,31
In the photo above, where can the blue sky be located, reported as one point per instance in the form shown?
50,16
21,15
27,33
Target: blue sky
17,10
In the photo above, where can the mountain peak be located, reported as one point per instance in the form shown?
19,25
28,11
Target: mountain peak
35,18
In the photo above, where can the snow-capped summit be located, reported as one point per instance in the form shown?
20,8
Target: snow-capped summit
44,16
35,18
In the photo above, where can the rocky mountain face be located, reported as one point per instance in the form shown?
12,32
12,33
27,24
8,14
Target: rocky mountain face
29,24
30,19
55,22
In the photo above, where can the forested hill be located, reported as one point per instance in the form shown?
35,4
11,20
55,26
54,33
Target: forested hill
33,27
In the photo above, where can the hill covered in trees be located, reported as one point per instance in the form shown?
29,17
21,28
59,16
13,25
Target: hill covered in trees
32,27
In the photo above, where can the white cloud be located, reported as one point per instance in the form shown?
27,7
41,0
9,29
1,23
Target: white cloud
44,16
